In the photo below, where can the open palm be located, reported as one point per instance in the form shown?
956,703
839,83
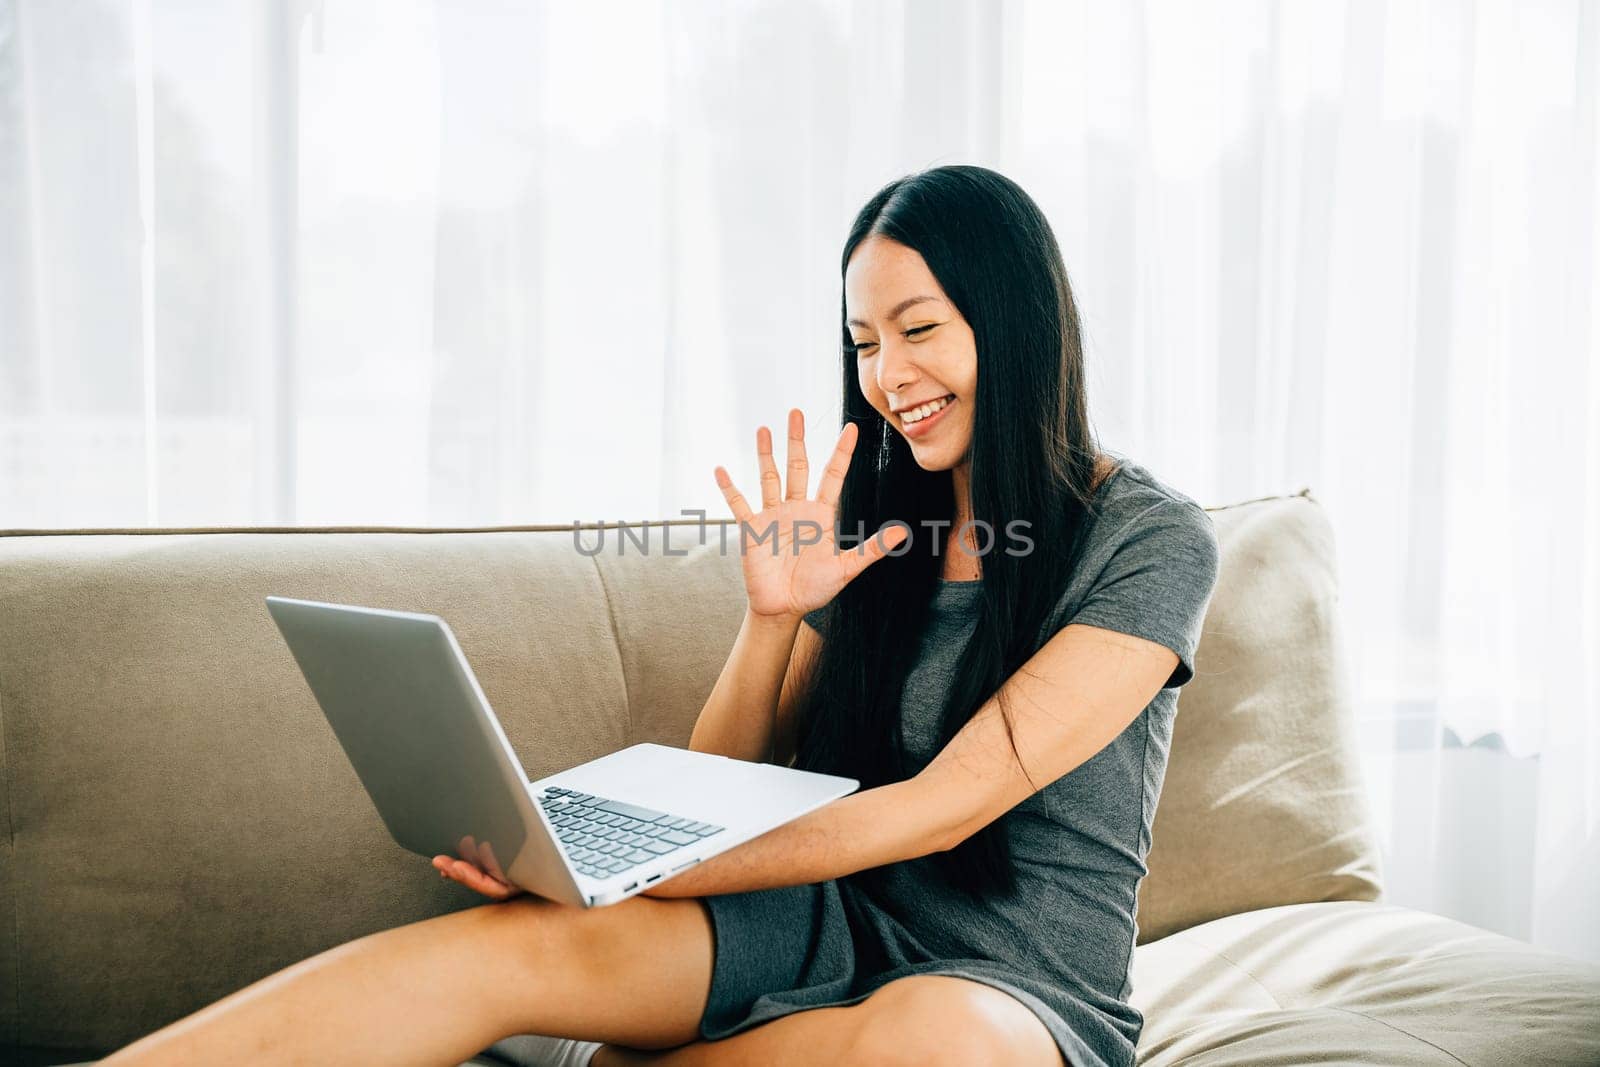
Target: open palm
792,561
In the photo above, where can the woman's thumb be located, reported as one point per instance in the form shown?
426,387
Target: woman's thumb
889,537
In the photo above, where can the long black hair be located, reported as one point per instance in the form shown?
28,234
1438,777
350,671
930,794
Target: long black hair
1033,458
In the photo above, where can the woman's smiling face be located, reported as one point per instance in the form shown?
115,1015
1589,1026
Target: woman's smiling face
914,351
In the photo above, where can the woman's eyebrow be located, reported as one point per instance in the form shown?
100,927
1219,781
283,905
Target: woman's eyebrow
898,309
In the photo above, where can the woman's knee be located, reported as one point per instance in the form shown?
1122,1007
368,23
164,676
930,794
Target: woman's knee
547,937
943,1019
541,934
505,942
645,958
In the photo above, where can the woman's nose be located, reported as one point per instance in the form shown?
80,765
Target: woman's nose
896,370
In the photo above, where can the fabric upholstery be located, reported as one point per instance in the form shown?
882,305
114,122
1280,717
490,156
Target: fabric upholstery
676,619
1263,802
1355,982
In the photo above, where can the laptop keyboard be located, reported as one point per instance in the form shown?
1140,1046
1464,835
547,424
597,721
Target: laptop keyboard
605,837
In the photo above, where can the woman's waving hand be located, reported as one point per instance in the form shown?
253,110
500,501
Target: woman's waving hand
792,561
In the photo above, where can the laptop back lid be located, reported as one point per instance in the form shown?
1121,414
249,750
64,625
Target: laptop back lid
421,736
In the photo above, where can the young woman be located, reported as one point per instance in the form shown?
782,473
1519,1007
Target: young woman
998,663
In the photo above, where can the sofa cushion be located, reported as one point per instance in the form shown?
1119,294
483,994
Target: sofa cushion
185,820
676,619
1263,802
1357,982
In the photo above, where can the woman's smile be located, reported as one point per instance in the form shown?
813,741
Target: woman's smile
913,426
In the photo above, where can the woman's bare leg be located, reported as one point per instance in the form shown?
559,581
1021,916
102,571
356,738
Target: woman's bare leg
817,1035
925,1020
439,991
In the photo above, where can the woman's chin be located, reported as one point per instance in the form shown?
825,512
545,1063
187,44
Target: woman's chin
937,459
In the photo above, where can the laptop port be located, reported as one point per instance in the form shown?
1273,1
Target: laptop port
631,887
652,878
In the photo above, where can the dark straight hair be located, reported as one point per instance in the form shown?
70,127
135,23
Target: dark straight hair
1033,458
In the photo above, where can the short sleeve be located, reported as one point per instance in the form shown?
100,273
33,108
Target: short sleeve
1158,582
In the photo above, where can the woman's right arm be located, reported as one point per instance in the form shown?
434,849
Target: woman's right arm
751,711
750,714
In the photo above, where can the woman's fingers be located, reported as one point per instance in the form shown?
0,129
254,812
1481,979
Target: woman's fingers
799,472
833,474
473,878
771,483
735,499
874,548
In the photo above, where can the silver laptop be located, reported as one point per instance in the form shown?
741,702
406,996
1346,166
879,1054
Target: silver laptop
411,716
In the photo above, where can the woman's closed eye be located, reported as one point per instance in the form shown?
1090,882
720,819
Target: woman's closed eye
869,344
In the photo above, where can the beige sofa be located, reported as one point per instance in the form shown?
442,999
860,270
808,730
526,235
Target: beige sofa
164,772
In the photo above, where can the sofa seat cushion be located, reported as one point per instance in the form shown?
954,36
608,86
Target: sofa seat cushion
1360,982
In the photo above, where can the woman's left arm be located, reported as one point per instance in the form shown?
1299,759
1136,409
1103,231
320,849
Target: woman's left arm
1071,699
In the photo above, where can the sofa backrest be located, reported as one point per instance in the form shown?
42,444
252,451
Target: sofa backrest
177,819
1263,801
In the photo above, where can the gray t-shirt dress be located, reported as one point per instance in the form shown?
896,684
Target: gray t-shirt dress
1063,944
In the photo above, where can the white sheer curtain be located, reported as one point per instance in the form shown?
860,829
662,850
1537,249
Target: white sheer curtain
348,262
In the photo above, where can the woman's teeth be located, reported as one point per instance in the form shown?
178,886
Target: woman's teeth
919,413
